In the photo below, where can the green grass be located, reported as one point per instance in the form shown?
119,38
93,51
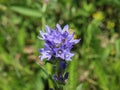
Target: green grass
96,63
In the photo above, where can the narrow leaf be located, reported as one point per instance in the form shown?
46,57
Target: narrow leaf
26,11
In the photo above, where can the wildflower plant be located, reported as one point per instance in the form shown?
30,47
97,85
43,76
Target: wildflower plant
57,51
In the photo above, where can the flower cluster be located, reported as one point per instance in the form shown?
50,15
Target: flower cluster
58,43
57,47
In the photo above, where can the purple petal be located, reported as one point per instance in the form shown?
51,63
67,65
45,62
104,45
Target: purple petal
41,58
45,56
42,34
75,41
66,75
65,34
59,27
41,50
65,28
47,29
40,38
61,79
68,56
63,65
55,77
71,36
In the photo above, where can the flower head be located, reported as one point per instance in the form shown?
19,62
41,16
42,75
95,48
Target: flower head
58,43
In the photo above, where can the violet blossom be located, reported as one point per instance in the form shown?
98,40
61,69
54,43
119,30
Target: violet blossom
58,43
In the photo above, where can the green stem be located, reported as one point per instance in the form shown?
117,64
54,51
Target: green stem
56,86
59,72
60,87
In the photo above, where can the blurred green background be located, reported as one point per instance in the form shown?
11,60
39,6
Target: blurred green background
96,65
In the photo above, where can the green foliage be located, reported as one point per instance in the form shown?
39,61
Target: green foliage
26,11
102,78
73,76
96,65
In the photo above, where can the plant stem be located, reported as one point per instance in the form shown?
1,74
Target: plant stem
56,86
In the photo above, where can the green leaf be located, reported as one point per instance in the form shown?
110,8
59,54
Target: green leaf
106,52
117,45
26,11
101,74
21,37
80,87
90,31
73,74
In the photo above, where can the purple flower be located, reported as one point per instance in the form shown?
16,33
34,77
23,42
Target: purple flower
58,43
63,65
61,78
66,75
